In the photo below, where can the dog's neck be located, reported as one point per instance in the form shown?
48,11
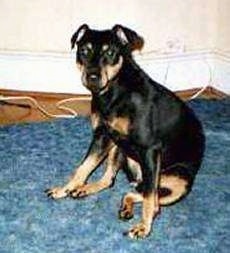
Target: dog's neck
122,81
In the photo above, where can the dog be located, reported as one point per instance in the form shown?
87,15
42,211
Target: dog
139,126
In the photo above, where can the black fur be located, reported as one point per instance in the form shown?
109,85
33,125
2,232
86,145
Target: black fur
159,122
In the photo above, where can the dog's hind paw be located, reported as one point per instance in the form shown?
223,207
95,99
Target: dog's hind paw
139,231
57,192
125,213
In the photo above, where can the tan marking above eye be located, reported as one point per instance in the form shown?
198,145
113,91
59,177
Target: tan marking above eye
105,47
89,45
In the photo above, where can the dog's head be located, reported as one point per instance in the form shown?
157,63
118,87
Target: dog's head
101,54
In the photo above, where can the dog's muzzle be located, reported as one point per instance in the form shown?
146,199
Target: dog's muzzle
93,81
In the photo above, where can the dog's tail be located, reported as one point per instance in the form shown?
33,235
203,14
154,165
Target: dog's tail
172,189
175,183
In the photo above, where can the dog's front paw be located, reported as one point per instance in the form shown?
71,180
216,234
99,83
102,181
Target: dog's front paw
139,231
80,192
57,192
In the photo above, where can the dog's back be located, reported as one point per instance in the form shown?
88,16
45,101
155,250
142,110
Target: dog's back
159,112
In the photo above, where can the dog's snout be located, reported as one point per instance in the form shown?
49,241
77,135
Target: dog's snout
93,80
93,77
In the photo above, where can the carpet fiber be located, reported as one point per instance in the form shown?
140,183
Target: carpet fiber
36,156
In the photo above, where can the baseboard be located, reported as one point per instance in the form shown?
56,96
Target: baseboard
11,114
222,73
15,111
49,72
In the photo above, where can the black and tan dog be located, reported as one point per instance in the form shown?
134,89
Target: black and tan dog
138,126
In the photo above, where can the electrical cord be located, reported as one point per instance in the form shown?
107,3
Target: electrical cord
210,81
159,52
59,105
14,104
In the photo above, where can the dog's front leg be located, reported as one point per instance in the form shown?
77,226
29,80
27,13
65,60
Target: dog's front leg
149,189
98,150
115,160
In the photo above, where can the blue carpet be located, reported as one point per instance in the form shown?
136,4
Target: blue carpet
34,157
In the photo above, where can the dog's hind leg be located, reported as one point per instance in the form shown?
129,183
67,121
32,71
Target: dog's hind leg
127,205
150,203
115,160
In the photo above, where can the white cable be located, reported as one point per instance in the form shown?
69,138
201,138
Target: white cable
44,111
166,73
198,93
65,108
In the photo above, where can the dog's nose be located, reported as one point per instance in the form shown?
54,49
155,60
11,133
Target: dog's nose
93,78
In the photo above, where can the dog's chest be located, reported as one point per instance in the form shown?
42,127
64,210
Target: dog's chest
118,124
120,130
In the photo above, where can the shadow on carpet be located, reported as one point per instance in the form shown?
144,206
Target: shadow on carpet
34,157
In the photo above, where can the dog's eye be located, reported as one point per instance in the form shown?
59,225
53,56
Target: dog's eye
109,52
86,51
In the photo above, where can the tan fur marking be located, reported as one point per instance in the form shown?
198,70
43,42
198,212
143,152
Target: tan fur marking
149,210
84,170
79,177
105,181
105,47
109,72
135,169
177,185
120,124
95,120
89,46
173,183
131,198
126,210
112,70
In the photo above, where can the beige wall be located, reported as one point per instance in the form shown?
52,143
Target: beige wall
32,30
42,25
223,39
35,25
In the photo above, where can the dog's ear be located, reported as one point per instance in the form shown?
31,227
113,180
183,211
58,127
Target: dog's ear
78,34
128,36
